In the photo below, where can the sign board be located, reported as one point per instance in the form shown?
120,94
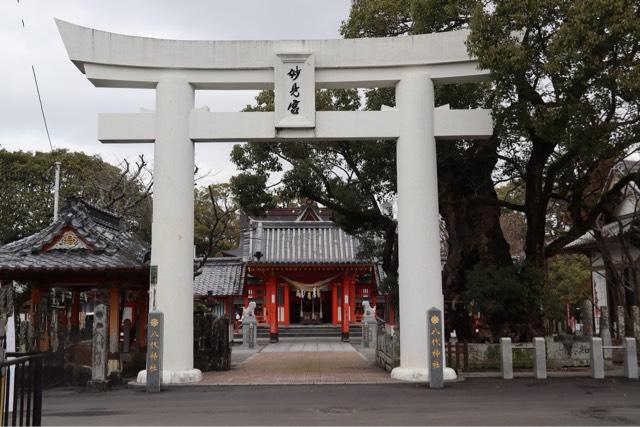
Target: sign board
295,90
436,356
154,351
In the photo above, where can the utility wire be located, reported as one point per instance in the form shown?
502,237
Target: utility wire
44,118
35,79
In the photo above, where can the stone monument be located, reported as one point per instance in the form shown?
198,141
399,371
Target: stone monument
436,350
100,348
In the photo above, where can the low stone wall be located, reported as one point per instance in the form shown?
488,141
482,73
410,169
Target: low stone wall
388,347
565,352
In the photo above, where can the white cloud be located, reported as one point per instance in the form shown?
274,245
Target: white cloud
71,103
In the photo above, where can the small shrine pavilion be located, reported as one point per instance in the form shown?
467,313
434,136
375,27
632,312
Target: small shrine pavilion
299,268
85,256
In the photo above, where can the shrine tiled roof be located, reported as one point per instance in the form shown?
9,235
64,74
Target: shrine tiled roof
220,277
83,238
622,225
306,242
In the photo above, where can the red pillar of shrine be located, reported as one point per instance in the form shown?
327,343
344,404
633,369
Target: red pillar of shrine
334,304
272,292
392,314
114,321
287,319
352,298
36,299
346,280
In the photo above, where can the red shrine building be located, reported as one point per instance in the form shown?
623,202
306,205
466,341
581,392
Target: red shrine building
299,268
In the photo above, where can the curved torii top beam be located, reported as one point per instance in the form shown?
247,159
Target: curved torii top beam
116,60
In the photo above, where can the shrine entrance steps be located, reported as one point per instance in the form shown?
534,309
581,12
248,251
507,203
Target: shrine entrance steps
311,331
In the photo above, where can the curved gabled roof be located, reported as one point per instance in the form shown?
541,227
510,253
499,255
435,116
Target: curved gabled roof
83,238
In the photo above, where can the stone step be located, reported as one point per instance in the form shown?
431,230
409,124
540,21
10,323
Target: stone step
311,331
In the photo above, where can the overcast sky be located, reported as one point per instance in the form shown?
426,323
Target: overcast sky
71,103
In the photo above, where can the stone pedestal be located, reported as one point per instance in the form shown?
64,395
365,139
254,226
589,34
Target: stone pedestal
597,361
540,358
630,358
506,358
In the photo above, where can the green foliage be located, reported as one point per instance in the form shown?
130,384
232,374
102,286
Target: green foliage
509,297
568,282
216,222
27,181
566,104
377,18
250,190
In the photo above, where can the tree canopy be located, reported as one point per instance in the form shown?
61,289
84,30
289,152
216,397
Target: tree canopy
27,182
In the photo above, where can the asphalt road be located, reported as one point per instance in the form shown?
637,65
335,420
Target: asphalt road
478,401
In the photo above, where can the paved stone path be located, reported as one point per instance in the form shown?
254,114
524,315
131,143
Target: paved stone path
296,362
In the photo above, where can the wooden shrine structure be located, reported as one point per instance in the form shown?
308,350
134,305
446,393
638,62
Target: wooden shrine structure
299,268
84,257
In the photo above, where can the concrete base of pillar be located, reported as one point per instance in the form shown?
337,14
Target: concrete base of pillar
174,377
419,375
345,336
114,370
273,337
98,386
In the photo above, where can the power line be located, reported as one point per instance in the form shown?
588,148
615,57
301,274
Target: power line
35,79
44,118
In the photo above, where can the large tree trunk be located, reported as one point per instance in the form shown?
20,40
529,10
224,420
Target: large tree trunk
536,205
474,232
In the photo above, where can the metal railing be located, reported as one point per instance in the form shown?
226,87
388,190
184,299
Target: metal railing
22,405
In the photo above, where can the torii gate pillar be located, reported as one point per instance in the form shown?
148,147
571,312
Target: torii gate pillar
172,228
418,224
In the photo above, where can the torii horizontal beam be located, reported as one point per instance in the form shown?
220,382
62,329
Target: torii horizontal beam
116,60
258,126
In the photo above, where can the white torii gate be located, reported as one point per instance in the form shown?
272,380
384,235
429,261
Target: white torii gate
176,68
